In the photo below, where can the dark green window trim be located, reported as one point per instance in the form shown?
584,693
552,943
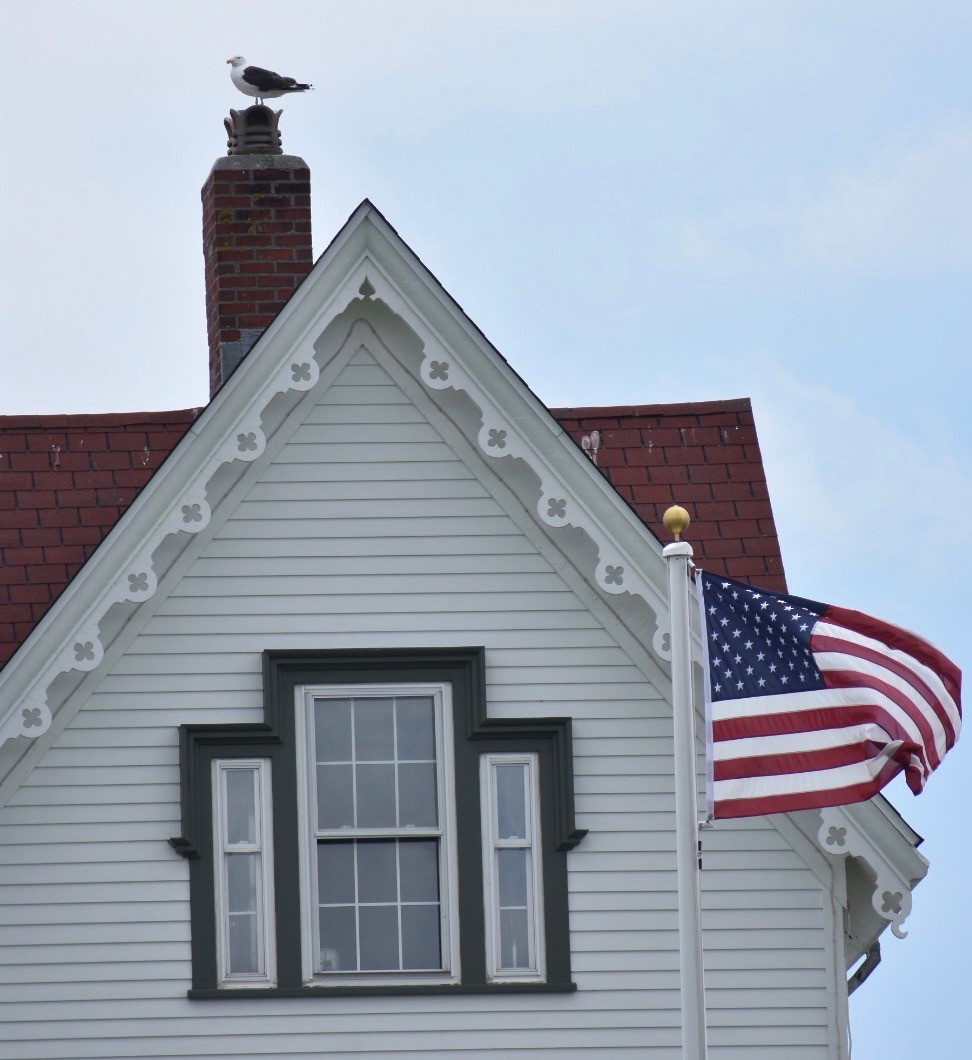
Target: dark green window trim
474,733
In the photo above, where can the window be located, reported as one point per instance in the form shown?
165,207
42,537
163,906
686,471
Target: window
511,867
364,836
244,885
377,816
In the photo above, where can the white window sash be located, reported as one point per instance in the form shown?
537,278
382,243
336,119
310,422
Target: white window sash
262,848
492,845
445,833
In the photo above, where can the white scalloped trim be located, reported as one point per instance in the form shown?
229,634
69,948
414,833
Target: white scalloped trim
891,898
497,438
192,513
246,441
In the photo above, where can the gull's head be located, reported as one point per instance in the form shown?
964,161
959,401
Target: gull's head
236,60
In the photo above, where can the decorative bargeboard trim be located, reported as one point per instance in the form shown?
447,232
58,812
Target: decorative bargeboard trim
245,441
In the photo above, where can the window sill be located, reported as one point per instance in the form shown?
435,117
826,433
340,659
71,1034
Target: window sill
382,991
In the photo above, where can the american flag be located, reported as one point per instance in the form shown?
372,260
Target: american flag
813,705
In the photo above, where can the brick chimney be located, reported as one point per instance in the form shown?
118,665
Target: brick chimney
256,236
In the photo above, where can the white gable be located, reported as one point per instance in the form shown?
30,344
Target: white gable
374,524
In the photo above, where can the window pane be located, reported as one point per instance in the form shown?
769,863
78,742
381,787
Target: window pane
510,802
416,727
378,928
339,950
335,872
243,947
512,876
332,730
240,805
335,797
376,796
416,794
420,937
241,882
374,730
377,871
419,862
514,939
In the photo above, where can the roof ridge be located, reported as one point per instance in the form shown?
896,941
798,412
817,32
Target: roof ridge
667,408
96,419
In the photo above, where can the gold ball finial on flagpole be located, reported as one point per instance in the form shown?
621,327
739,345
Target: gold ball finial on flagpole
676,519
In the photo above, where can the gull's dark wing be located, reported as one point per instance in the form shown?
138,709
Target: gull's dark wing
266,80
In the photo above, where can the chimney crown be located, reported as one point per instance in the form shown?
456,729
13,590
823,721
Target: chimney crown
254,131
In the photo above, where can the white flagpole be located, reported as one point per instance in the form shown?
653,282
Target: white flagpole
679,554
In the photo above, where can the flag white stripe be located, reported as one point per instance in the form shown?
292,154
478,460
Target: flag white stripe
821,698
799,742
795,783
924,673
828,660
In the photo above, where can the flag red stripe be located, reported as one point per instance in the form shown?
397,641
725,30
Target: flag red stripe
797,721
795,761
861,651
903,640
806,800
856,679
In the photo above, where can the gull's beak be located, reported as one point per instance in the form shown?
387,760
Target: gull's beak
229,60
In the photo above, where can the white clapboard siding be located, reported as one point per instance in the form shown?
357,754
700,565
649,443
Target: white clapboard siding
369,530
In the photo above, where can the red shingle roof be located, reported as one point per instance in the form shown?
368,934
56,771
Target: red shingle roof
64,483
66,480
703,455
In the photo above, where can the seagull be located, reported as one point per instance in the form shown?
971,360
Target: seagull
264,84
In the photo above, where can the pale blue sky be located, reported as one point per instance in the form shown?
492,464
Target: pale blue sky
637,202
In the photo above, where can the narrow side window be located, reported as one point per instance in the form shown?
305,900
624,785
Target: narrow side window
512,890
244,872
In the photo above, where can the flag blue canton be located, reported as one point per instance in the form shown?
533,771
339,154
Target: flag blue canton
758,642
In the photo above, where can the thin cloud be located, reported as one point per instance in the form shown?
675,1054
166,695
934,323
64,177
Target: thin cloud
908,208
